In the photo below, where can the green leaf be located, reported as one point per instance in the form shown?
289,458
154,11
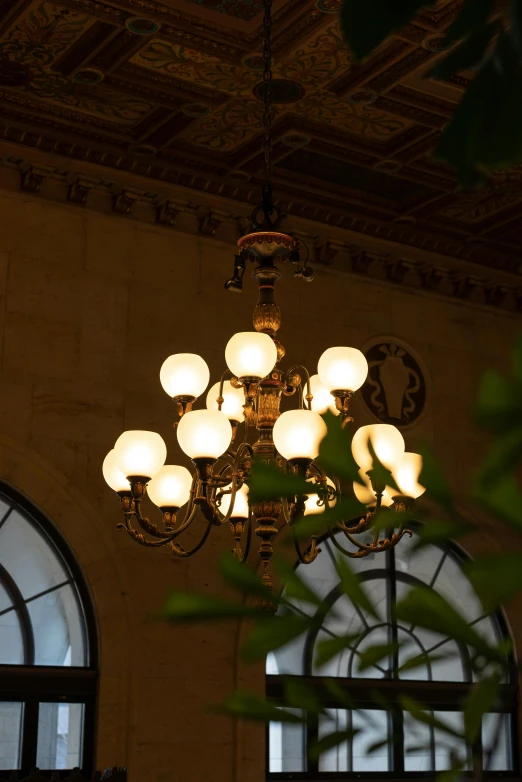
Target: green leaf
368,24
342,697
484,133
434,480
351,586
335,451
294,585
418,713
269,483
240,577
345,509
516,355
465,56
330,741
480,701
495,578
435,532
249,706
474,14
377,745
273,632
425,608
187,607
330,648
499,403
504,454
380,475
421,660
301,696
374,654
503,499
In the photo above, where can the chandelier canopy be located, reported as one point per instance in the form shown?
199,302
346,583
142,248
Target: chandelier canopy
247,399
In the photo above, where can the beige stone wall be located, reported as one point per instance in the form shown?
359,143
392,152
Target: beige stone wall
90,307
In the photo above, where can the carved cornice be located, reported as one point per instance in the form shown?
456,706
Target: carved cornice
400,266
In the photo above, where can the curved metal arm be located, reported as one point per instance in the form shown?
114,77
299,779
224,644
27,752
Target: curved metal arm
301,368
306,557
140,538
179,551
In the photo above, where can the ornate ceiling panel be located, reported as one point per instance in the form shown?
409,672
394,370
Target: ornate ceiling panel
171,91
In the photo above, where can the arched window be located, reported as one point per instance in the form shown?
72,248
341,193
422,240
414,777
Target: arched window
48,653
440,687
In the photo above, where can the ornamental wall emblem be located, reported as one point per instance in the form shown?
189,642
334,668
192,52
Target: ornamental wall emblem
395,391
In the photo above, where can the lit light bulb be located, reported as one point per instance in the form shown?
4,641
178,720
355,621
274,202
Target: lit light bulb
312,505
323,400
298,433
170,487
140,454
234,399
204,434
366,495
387,441
407,475
342,369
251,354
241,509
184,374
113,475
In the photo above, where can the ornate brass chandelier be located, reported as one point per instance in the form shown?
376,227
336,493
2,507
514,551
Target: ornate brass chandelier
248,398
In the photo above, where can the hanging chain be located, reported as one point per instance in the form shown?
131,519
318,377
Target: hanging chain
267,79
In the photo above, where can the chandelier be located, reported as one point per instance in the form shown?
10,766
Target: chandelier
244,405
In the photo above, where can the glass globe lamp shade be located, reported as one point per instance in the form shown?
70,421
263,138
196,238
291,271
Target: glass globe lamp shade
113,475
234,398
184,374
366,495
251,354
388,444
170,487
298,433
204,434
323,400
312,506
140,454
342,369
241,509
407,475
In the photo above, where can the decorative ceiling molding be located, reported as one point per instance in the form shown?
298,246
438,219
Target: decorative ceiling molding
213,216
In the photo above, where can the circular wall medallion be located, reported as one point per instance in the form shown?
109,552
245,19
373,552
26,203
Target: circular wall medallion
283,91
195,109
395,391
140,25
89,76
12,74
254,62
362,97
330,6
295,140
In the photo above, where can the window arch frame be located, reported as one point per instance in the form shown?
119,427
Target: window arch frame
32,684
434,694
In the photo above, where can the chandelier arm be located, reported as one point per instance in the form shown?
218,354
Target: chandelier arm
249,538
139,537
288,378
179,551
310,554
363,525
148,526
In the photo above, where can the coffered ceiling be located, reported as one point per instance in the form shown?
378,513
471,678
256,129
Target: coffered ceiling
170,91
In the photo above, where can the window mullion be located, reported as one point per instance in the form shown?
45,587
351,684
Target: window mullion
30,735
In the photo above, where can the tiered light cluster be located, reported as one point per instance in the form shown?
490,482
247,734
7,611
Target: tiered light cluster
249,395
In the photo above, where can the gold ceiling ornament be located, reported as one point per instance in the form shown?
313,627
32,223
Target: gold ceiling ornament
247,399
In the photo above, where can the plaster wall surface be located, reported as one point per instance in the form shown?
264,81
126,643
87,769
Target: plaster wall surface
90,306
